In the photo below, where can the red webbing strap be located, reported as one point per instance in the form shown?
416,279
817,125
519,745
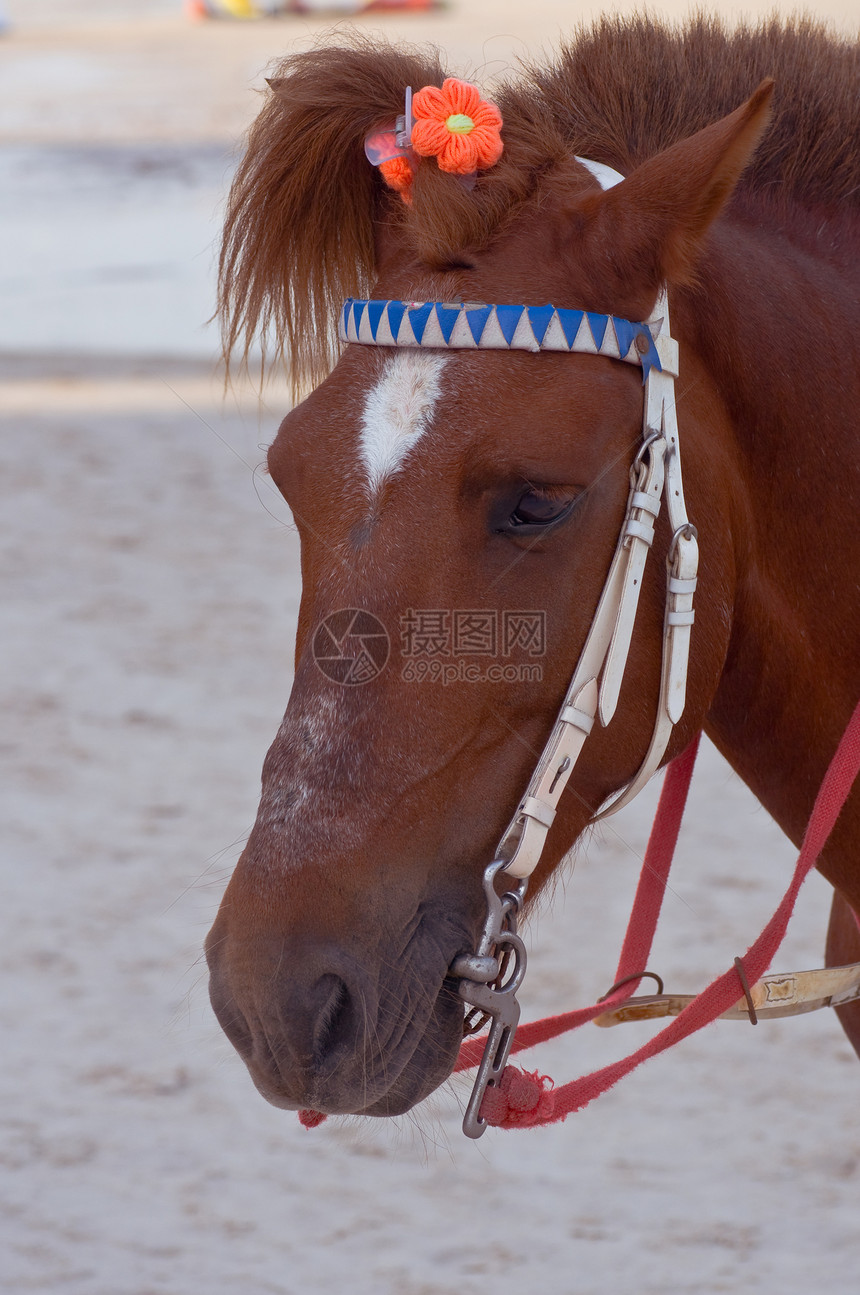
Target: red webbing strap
643,916
534,1101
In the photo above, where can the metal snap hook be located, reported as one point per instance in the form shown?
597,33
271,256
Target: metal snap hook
492,997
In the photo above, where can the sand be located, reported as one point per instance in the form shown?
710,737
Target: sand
150,594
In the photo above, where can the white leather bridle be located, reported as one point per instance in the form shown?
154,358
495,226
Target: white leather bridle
594,689
486,980
655,474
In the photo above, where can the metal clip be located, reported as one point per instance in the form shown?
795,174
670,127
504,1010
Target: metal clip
499,944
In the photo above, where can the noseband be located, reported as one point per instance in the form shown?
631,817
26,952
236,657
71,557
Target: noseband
490,977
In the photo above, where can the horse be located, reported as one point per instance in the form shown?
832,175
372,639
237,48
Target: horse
444,490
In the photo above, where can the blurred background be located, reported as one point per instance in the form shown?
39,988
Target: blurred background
150,587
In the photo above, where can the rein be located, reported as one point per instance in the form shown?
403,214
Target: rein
522,1100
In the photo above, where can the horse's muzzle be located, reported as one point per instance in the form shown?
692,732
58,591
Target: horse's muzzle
316,1030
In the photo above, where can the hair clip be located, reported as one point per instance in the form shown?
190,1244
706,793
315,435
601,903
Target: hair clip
403,125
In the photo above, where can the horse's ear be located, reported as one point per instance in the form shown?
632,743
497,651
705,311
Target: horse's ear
655,220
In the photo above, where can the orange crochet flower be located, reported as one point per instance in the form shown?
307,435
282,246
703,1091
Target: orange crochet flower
457,126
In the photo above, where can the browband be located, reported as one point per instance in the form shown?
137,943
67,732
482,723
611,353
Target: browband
461,325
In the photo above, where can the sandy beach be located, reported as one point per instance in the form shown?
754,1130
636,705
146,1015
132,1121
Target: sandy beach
151,584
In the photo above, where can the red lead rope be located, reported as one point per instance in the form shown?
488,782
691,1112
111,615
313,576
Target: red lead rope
523,1100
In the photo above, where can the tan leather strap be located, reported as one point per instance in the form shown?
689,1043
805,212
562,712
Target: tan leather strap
775,995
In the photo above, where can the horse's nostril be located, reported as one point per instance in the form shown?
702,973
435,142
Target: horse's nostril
331,1000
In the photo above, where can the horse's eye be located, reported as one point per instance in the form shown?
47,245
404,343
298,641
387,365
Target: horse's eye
538,508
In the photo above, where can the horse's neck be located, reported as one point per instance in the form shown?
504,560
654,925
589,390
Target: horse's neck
781,344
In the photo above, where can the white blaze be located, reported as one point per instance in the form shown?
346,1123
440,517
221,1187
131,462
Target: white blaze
398,410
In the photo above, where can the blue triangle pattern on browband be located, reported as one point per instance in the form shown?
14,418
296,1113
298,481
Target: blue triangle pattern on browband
509,317
597,324
418,316
476,318
396,311
570,321
625,333
447,317
374,314
539,317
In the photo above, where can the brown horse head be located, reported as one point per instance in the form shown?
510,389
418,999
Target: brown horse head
458,512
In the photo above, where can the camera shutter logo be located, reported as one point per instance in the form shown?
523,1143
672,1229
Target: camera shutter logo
351,647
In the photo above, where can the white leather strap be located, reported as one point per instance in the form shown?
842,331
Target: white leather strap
650,503
637,538
640,530
656,472
524,838
537,809
570,715
683,562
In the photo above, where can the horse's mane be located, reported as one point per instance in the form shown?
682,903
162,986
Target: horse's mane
305,206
